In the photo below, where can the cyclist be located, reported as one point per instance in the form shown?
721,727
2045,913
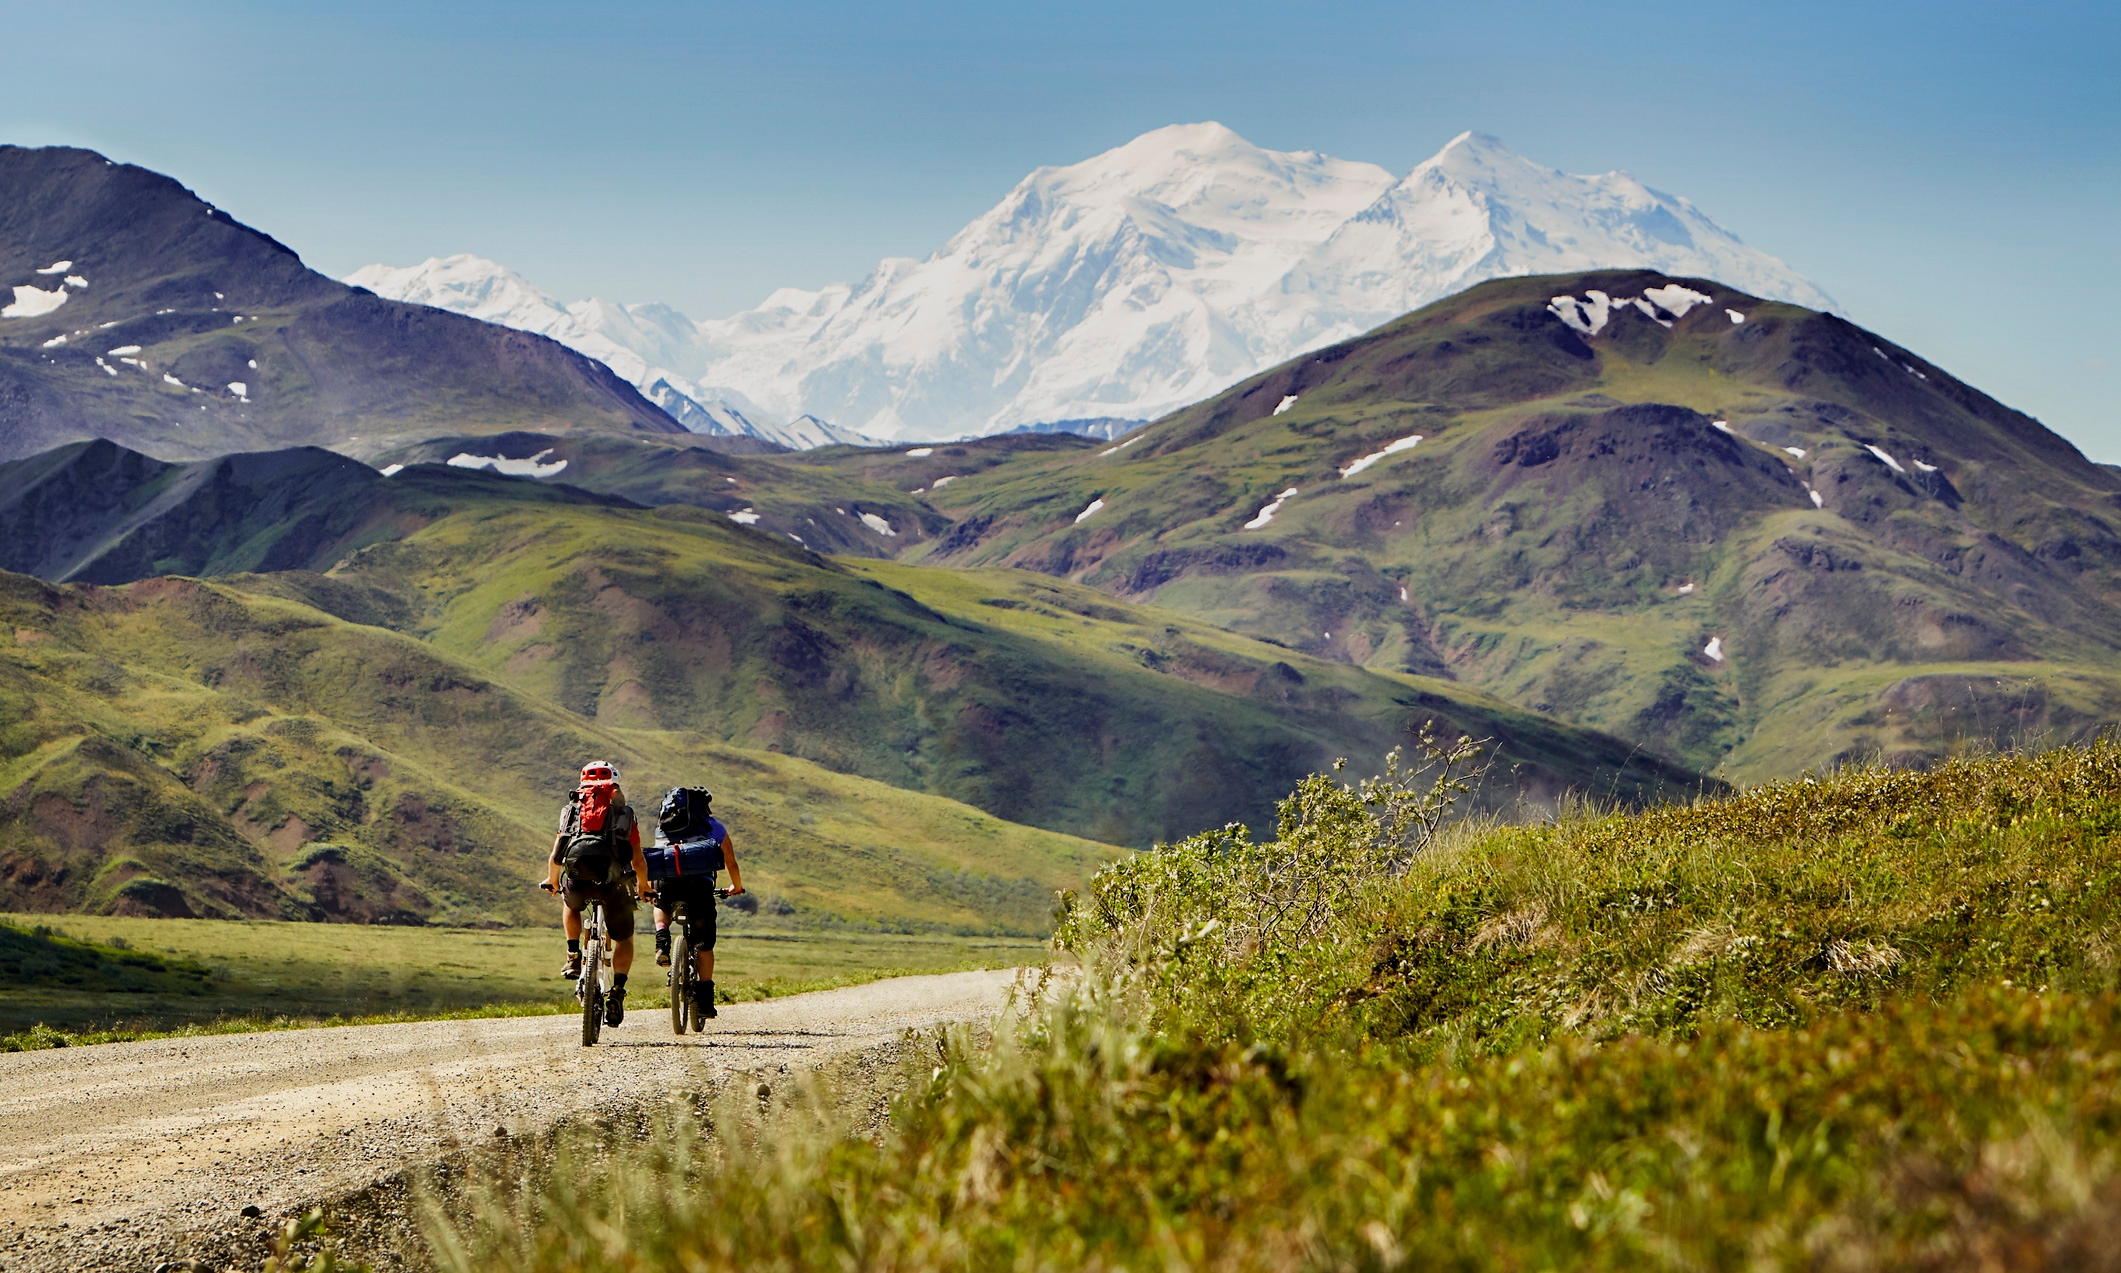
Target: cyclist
597,835
698,897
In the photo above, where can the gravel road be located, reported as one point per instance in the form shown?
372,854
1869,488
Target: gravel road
136,1155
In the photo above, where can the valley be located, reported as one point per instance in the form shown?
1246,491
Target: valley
328,650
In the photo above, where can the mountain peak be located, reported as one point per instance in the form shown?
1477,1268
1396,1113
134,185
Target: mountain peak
465,283
1154,274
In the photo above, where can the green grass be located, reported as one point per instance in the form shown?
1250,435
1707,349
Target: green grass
1863,1021
180,746
102,978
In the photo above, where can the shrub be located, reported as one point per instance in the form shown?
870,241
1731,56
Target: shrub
1857,1021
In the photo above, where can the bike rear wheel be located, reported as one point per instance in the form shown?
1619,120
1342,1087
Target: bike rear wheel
592,984
680,982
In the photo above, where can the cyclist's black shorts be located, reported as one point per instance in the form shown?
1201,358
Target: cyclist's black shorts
618,904
698,897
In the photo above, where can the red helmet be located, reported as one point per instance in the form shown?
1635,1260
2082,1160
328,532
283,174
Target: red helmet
600,771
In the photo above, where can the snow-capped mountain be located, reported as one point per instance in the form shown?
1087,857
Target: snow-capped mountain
647,344
1127,285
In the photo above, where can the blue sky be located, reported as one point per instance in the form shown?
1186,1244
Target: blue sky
1951,173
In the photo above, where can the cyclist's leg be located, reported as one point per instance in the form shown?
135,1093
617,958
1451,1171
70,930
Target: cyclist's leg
700,932
618,922
571,902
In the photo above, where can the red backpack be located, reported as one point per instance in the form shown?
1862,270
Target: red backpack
601,844
598,798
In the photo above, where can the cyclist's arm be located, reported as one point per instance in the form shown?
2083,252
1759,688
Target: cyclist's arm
552,863
640,862
736,877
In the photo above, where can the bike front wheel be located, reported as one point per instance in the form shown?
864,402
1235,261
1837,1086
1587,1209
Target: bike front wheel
680,983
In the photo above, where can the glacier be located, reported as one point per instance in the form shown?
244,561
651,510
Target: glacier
1124,286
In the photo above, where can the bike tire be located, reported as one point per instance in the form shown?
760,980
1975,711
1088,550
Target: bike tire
680,983
593,979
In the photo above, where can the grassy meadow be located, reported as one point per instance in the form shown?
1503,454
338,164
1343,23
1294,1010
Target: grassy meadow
95,976
1849,1022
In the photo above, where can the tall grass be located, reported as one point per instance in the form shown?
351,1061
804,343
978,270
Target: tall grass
1859,1021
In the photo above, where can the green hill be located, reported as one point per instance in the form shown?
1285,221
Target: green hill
182,748
1040,702
1887,561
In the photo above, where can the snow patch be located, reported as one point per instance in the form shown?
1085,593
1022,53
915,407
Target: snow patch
1402,593
1724,425
57,267
1714,649
1095,505
942,482
745,517
32,302
1404,444
1674,299
1590,316
1685,588
106,366
172,380
921,452
1267,514
1927,468
393,470
1818,500
1797,451
1121,447
878,524
1890,462
1909,369
1735,316
1285,404
253,364
75,280
513,468
1587,316
797,538
53,343
124,350
240,389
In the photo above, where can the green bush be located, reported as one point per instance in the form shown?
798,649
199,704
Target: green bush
1859,1021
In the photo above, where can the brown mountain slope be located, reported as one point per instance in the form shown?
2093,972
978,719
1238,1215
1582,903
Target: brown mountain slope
1747,535
141,314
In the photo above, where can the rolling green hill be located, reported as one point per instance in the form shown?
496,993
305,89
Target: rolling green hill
1753,546
177,747
1038,701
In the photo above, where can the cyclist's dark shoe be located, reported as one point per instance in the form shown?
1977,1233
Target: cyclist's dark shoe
574,965
615,1006
703,1000
662,947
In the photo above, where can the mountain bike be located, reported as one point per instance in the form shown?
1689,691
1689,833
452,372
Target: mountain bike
594,983
684,972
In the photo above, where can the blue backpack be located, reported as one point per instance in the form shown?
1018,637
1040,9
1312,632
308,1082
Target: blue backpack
688,838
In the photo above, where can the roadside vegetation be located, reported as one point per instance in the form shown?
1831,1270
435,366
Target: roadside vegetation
1854,1021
